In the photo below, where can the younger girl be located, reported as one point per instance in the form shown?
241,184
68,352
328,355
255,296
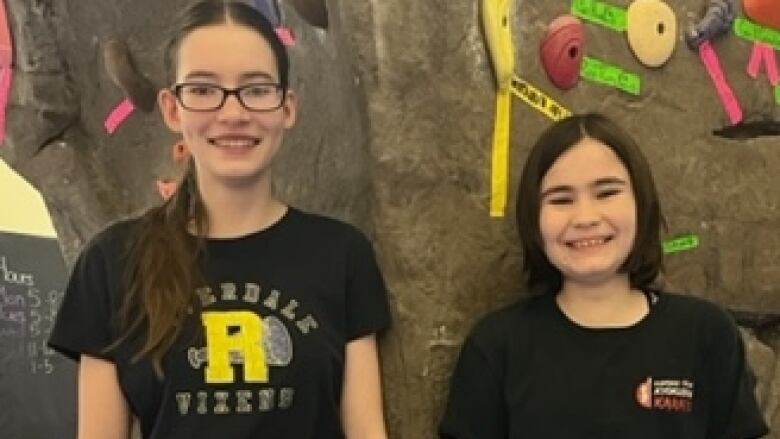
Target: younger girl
224,312
597,351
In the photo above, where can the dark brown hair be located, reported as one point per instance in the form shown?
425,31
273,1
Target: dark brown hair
162,269
645,260
213,12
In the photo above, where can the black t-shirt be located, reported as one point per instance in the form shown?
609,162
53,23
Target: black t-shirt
527,371
264,357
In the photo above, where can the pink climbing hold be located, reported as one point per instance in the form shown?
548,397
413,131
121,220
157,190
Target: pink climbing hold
286,35
6,66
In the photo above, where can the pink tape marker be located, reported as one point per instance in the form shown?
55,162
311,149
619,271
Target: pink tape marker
771,66
727,98
286,35
6,67
756,56
6,73
763,54
118,115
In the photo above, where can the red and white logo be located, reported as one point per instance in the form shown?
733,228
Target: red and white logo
644,393
673,395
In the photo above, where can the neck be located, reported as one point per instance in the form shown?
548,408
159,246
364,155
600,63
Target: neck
612,303
238,209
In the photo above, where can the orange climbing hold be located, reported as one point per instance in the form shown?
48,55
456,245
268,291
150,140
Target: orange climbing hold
166,187
180,152
765,12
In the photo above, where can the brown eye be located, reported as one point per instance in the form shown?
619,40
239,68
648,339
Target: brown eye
259,90
199,90
607,193
560,200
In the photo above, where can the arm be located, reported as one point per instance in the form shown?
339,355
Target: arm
733,409
103,410
361,405
475,405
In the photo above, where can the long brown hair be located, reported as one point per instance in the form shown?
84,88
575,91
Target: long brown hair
162,268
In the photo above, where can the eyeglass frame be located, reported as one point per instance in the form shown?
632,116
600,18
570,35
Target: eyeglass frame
227,92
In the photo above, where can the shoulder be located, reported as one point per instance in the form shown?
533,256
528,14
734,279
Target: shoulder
511,322
503,337
695,307
709,320
117,232
324,227
111,241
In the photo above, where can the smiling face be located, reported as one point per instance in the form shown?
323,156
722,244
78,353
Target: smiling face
587,213
230,145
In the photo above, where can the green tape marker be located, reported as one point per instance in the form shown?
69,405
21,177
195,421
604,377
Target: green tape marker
777,94
751,31
604,14
681,243
613,76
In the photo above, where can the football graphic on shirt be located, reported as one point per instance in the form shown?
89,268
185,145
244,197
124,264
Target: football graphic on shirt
276,342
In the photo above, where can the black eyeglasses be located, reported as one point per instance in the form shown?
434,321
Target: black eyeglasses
266,96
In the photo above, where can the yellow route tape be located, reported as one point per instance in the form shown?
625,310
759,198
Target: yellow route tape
500,163
496,22
538,100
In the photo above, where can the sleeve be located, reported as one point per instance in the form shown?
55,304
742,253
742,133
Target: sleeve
366,296
734,412
83,323
475,407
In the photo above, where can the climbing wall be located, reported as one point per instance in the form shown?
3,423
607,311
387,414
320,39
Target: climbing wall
415,125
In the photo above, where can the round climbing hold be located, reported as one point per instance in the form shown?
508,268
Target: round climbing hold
562,49
652,31
766,12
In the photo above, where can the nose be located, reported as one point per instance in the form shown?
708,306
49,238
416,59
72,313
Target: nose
586,214
232,111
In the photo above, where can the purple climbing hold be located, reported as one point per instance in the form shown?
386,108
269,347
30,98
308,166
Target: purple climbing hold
270,9
716,21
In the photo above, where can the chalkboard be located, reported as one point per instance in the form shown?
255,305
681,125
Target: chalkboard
37,385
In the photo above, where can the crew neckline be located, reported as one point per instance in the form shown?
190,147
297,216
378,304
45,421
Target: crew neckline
271,228
655,302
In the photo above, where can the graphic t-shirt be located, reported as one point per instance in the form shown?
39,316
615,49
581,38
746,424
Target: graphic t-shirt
527,371
264,354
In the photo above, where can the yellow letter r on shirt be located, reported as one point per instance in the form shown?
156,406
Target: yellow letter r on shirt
234,331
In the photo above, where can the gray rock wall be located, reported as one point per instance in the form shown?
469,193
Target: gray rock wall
395,135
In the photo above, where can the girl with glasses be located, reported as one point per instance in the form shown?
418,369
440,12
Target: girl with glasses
224,312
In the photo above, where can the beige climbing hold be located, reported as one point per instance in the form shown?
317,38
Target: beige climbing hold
651,31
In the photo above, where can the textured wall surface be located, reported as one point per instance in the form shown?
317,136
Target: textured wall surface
395,133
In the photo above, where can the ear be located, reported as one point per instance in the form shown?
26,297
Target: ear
169,110
290,109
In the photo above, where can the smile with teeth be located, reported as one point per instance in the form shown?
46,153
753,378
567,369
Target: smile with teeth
589,242
235,143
